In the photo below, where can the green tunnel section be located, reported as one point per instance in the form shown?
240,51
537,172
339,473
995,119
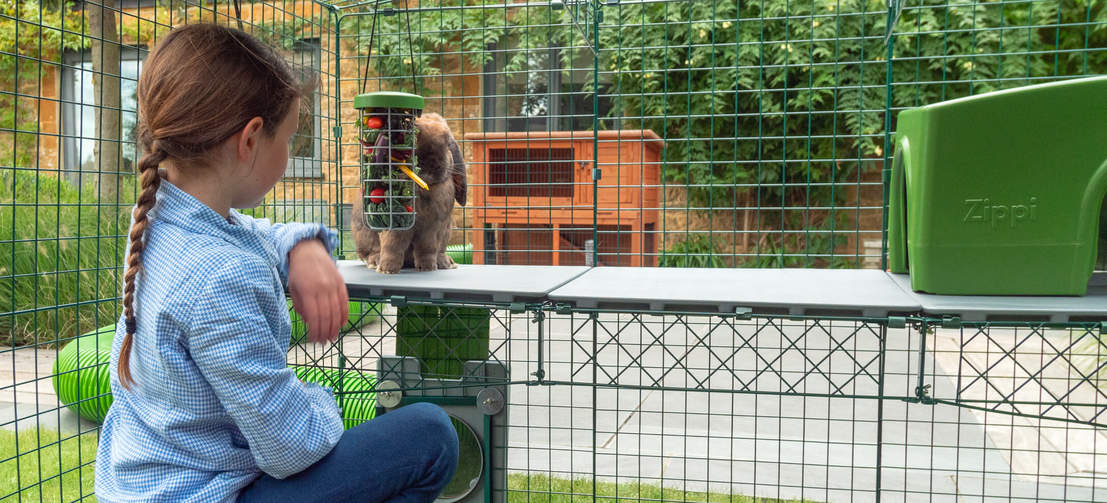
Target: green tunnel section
353,390
82,378
360,314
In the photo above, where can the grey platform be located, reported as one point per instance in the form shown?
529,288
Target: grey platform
794,292
823,292
495,283
1091,307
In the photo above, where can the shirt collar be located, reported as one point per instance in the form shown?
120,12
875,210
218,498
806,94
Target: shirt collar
182,209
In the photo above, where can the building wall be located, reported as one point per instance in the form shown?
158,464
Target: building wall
142,26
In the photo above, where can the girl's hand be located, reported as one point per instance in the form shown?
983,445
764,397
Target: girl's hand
318,292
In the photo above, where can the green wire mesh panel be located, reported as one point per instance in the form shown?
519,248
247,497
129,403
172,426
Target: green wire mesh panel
648,133
721,133
443,336
1009,411
635,133
1029,370
68,156
708,408
701,353
946,50
770,113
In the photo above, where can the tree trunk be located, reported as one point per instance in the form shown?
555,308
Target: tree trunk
105,88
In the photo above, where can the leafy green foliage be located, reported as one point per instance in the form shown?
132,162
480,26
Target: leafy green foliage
695,251
780,103
757,98
61,257
434,34
787,95
815,248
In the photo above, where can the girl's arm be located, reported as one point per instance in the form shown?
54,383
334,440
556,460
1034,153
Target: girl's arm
317,290
288,426
286,236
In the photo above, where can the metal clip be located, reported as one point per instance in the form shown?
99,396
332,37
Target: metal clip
923,394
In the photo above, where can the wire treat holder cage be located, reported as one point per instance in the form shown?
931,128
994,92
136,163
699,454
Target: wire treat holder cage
389,166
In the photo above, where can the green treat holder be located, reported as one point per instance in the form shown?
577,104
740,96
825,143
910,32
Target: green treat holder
1001,193
387,138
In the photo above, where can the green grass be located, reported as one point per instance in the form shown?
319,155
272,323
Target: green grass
523,488
41,455
61,257
46,469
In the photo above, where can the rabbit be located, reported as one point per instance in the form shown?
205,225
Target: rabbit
423,246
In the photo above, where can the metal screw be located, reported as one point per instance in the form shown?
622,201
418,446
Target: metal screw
490,401
389,394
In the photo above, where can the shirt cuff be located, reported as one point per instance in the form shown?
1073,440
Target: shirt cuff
304,232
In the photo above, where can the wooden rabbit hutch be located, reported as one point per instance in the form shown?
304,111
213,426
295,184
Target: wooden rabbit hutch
533,199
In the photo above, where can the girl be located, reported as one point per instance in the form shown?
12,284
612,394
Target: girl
205,408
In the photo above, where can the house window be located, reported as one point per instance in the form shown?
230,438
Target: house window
307,145
547,95
79,112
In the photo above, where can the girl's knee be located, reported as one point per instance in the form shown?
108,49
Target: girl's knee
437,433
434,423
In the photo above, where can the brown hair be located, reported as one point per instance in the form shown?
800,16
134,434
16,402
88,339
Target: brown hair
199,86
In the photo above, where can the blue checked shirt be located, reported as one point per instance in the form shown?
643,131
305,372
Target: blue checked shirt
214,405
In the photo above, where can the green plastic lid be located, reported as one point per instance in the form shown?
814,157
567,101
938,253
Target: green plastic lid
389,99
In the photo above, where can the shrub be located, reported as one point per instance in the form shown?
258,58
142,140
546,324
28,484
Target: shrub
61,257
695,251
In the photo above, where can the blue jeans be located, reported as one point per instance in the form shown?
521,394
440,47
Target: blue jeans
405,456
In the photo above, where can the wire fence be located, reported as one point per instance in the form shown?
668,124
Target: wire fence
607,133
693,406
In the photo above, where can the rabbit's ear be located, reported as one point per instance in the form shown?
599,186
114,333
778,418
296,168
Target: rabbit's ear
433,149
457,173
